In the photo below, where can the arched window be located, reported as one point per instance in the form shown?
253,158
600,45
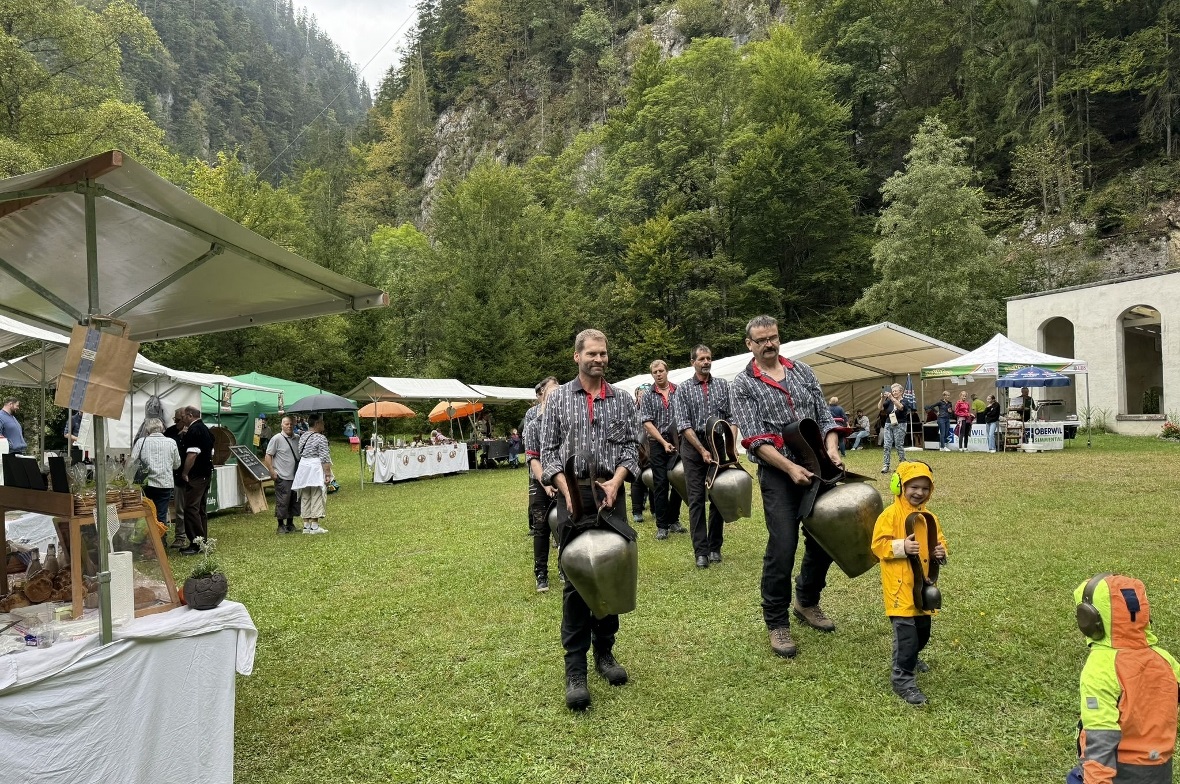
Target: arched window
1056,338
1142,385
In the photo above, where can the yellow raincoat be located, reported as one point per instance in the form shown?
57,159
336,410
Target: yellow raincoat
897,578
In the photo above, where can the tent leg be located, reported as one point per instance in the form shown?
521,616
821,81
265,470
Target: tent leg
41,420
1089,435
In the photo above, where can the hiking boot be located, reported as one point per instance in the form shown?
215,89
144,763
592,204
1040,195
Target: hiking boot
677,528
289,528
606,666
702,562
638,518
577,694
542,585
179,543
714,557
911,695
661,534
922,666
781,643
813,617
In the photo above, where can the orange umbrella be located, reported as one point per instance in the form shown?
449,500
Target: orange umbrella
386,409
453,410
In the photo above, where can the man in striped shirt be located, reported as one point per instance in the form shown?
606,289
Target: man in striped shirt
771,393
586,419
540,495
655,411
696,402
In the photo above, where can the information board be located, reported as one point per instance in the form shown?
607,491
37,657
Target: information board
248,460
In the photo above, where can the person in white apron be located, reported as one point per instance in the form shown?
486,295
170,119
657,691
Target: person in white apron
313,474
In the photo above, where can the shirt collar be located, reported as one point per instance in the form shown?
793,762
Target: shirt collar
605,392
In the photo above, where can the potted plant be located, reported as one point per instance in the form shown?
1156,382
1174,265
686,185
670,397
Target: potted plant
206,586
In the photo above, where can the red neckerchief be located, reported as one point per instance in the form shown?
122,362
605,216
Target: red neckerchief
590,398
671,389
765,379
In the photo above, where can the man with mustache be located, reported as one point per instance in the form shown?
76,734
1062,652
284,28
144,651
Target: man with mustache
586,419
771,393
696,401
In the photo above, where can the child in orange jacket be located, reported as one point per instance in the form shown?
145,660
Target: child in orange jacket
905,539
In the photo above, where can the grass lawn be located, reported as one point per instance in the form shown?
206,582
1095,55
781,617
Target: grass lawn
409,644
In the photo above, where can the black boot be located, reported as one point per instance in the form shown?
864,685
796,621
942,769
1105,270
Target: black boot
606,666
577,694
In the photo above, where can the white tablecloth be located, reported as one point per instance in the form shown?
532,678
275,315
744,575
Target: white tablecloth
411,463
230,492
155,705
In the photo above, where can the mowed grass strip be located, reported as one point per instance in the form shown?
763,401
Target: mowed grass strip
409,645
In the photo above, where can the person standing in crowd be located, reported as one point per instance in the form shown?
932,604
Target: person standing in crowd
638,488
963,419
895,415
991,418
514,448
585,417
540,493
10,428
316,458
656,415
698,400
839,417
176,431
769,394
1026,404
160,456
281,459
196,473
864,429
977,407
945,410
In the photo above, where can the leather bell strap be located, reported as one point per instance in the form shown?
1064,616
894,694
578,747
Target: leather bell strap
920,578
722,446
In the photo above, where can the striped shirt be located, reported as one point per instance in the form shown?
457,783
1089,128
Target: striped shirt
602,427
159,454
657,409
534,412
763,407
314,446
532,437
696,401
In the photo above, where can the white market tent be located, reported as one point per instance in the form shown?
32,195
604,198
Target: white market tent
851,365
1000,356
387,388
105,236
504,394
13,333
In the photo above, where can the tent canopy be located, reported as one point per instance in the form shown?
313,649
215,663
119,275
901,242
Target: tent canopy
1000,356
855,355
165,262
13,333
247,402
504,394
386,388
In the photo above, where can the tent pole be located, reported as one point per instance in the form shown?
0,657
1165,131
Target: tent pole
41,429
1089,435
100,430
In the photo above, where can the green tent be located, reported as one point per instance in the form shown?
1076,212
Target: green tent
247,404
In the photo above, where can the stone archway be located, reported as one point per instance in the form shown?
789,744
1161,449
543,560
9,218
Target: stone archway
1141,387
1056,338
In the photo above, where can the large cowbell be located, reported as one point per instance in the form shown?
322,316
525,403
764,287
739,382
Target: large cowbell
677,479
648,479
842,523
730,488
604,568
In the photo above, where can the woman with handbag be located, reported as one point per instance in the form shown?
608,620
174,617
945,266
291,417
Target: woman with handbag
156,457
313,474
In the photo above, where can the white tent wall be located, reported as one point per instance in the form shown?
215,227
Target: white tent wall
120,431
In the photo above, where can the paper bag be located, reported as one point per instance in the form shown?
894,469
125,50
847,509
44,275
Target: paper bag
96,375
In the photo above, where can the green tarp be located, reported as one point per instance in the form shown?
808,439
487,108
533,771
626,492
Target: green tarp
247,404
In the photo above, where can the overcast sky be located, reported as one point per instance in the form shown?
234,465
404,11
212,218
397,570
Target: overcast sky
361,27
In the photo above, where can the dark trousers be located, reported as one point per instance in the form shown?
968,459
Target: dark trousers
579,628
780,501
964,431
196,518
159,496
910,636
665,502
539,528
706,536
638,496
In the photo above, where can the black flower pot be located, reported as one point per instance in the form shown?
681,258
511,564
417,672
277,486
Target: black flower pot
205,593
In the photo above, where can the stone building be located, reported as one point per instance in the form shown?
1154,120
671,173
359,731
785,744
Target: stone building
1126,330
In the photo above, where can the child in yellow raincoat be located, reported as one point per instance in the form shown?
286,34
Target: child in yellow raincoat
912,485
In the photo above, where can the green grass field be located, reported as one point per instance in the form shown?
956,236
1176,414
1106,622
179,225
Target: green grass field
409,645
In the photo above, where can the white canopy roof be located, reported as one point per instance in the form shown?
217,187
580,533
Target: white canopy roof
13,333
1000,356
386,388
860,354
504,394
26,372
167,263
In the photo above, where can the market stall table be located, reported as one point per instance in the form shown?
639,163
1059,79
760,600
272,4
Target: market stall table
395,465
155,705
